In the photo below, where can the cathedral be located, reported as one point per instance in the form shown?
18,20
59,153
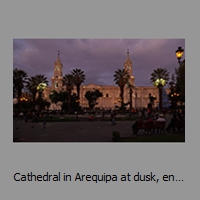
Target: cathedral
111,93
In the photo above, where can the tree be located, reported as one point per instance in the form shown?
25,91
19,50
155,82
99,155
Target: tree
79,78
92,97
37,84
121,78
19,79
68,81
61,96
180,80
54,96
41,103
173,95
130,90
32,84
160,77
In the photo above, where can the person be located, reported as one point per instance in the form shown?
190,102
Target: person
172,123
149,110
21,115
135,125
149,120
113,115
103,114
161,118
44,124
76,113
91,118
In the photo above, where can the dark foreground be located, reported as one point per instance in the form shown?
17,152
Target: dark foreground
85,131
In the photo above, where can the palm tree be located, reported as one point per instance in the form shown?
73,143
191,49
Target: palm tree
41,86
33,83
68,81
19,79
130,90
160,77
121,78
79,78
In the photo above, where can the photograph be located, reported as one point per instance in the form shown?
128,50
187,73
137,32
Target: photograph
98,90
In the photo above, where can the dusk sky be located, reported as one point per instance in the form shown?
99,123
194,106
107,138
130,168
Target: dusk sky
98,58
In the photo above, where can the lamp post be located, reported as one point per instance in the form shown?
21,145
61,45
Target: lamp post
181,75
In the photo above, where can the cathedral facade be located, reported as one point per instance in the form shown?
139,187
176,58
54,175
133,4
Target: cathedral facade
111,93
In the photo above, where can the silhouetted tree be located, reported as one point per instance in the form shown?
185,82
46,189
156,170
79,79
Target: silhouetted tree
121,78
19,80
160,78
92,97
33,83
68,81
79,78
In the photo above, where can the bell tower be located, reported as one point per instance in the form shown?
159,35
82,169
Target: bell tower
56,80
128,67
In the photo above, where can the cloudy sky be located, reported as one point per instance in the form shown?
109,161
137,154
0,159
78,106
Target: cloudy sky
98,58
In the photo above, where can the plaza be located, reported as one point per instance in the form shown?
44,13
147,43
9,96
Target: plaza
74,131
81,131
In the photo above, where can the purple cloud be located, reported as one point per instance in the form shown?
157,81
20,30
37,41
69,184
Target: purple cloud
98,58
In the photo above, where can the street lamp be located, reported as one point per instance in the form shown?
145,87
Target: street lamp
41,86
23,99
160,82
179,54
181,74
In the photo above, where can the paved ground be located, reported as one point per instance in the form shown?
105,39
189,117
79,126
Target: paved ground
88,131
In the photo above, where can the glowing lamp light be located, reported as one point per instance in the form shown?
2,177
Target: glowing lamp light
160,81
41,86
23,99
179,53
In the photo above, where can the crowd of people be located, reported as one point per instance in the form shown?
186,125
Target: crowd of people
158,116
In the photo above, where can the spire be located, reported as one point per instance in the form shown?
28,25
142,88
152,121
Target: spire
127,57
58,58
